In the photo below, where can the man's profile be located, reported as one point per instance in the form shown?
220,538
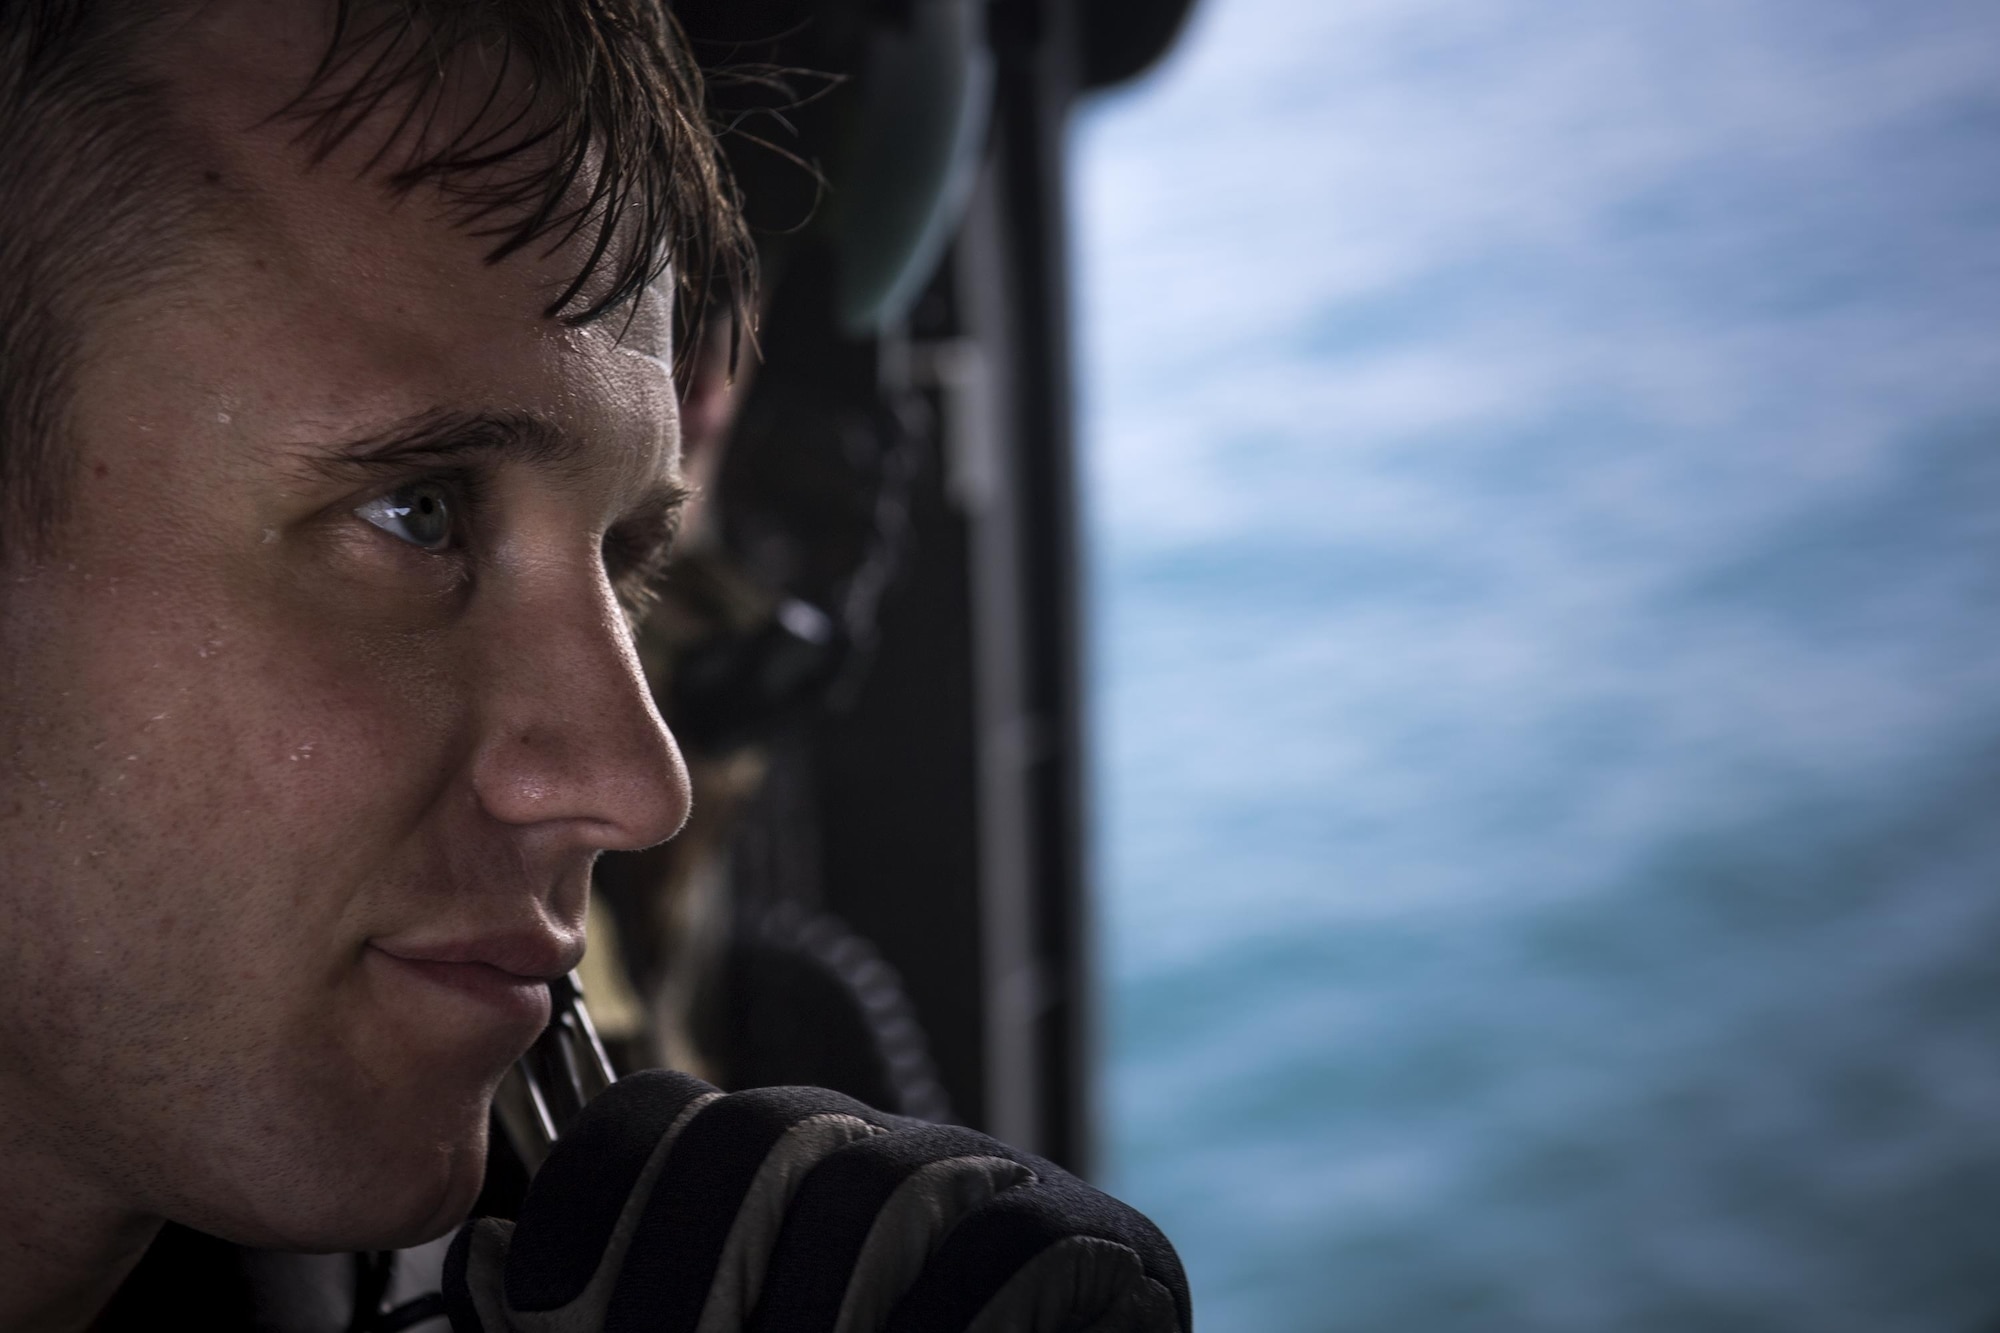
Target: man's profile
337,443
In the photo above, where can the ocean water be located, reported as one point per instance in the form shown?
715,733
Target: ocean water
1544,483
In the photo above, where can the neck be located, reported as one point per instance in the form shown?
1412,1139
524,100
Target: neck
65,1245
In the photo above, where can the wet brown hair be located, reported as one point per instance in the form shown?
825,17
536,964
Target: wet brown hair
590,125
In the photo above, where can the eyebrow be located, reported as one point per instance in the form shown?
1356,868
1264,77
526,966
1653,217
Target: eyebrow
441,436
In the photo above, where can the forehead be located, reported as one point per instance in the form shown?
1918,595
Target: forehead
322,278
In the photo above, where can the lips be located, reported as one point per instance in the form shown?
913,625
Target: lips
505,974
532,955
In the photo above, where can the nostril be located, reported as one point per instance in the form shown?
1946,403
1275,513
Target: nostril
609,766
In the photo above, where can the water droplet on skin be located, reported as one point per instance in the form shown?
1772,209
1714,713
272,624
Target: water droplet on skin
270,535
303,752
223,417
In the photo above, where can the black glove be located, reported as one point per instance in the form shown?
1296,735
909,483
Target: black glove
671,1208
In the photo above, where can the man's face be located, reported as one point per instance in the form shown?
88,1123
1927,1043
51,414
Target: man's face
317,719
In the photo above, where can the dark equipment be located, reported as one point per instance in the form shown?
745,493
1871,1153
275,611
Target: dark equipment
904,468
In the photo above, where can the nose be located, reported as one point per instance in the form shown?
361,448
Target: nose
569,736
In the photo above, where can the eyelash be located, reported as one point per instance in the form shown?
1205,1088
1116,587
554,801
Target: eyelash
635,552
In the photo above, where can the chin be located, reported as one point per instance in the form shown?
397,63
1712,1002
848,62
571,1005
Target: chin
413,1192
405,1184
427,1214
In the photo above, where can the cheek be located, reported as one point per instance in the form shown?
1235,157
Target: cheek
231,788
203,820
319,765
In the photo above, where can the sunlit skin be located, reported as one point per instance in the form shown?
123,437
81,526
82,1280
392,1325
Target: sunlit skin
268,744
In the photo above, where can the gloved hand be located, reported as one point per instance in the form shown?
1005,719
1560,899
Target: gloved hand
671,1208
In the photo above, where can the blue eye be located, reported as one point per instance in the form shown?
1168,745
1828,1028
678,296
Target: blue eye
419,513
